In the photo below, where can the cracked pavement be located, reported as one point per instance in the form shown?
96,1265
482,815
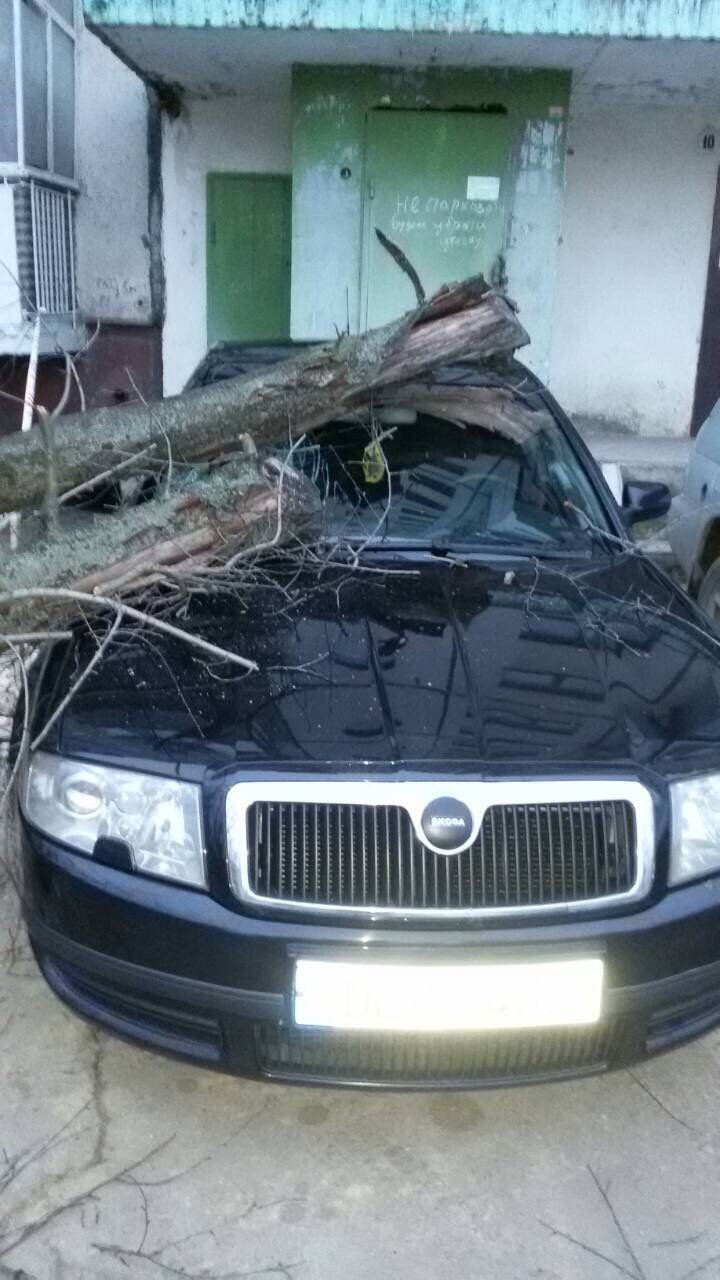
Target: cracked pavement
119,1164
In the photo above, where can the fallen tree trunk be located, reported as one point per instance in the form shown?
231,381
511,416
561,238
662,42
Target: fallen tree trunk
289,398
243,507
197,536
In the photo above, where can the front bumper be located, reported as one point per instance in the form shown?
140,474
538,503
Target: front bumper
180,972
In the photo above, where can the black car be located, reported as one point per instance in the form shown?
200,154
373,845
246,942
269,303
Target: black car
462,825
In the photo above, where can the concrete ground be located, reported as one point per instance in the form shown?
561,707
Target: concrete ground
119,1164
663,458
642,457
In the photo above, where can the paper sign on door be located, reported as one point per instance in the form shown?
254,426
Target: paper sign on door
482,187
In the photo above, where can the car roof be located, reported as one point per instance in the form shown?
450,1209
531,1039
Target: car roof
237,359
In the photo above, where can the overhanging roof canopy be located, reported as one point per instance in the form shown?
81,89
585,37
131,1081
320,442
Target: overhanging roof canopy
681,19
661,51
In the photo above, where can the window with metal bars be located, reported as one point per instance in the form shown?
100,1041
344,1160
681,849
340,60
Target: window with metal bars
45,237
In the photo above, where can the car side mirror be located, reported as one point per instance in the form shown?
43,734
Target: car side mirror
612,475
644,500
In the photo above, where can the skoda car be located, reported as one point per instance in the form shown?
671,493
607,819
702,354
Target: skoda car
460,827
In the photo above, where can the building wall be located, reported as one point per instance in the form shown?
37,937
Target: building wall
230,134
625,311
113,253
102,370
254,135
330,107
10,310
633,265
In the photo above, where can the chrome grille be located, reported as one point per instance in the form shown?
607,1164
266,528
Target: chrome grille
362,856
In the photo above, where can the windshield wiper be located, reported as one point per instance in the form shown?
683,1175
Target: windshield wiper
443,547
502,549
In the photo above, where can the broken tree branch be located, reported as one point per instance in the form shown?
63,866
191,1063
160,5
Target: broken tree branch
466,320
166,540
134,615
404,264
104,476
87,671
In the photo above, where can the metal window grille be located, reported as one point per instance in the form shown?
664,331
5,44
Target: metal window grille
52,213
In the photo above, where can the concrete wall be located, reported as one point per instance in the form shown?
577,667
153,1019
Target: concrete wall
633,264
232,134
330,106
10,309
626,307
113,258
253,134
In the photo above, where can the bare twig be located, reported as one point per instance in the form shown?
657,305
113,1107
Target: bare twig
87,671
61,405
36,637
271,466
128,611
159,425
22,748
109,474
80,388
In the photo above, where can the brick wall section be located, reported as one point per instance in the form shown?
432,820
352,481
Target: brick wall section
103,372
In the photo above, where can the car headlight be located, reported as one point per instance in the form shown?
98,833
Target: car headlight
158,818
695,847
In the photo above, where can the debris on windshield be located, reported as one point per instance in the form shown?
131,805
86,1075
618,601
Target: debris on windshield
496,408
215,492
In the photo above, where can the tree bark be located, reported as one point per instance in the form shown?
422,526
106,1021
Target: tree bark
291,397
166,541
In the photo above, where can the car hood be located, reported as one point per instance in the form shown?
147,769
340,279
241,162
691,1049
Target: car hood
538,667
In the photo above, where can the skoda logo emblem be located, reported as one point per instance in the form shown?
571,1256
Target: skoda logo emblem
446,824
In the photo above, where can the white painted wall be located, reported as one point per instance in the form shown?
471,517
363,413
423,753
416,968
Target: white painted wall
633,265
10,308
533,246
113,259
243,134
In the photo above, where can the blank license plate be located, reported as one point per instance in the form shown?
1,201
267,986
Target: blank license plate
450,997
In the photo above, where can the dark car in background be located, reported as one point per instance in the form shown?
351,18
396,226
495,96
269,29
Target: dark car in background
462,824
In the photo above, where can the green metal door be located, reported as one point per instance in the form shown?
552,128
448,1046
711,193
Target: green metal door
437,185
248,257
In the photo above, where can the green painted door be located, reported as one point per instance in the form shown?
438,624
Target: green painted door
436,183
248,257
